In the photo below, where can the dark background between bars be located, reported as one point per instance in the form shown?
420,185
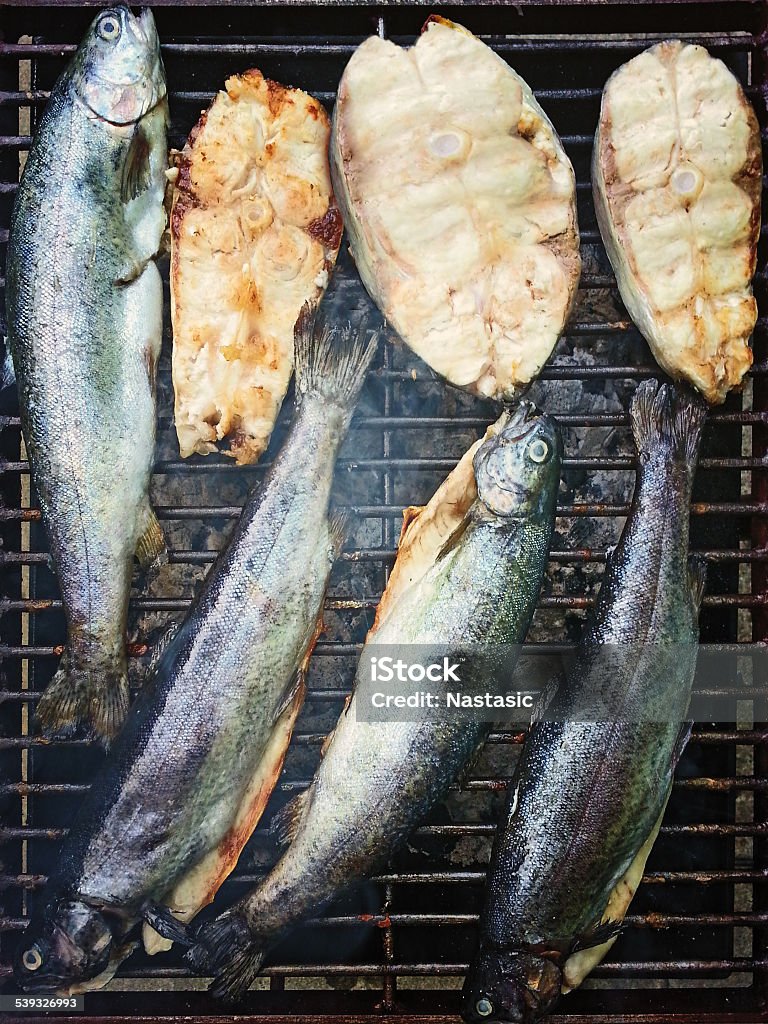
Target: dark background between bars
696,947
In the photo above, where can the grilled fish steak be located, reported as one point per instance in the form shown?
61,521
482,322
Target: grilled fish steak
677,178
254,234
84,311
378,780
203,744
460,205
596,770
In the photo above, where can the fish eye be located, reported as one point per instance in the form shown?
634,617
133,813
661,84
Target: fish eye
32,958
109,28
539,450
484,1007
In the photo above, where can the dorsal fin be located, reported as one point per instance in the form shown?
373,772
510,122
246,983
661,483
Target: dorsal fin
285,822
339,527
697,577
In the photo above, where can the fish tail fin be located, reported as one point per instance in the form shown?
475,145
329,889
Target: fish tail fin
238,975
225,947
84,698
58,710
664,415
332,361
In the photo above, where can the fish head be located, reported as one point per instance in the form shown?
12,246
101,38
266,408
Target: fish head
69,943
517,470
510,987
117,71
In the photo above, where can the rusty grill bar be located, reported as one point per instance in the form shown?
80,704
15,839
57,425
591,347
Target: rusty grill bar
696,948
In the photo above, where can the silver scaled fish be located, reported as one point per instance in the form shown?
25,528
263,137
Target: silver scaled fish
84,312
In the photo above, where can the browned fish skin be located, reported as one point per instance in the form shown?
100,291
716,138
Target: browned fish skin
254,235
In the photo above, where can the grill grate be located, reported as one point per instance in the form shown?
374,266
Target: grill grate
697,945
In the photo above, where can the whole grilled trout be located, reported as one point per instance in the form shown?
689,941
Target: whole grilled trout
203,744
84,311
378,780
595,774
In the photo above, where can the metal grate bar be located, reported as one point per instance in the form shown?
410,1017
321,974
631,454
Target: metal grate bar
687,921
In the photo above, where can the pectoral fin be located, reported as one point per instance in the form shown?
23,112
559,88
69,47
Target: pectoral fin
136,169
339,530
454,539
329,738
162,921
285,823
95,984
681,742
7,371
602,935
295,691
159,649
151,552
697,577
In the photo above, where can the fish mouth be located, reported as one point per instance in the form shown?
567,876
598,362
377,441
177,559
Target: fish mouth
524,411
41,981
524,417
61,984
519,437
35,984
145,29
525,420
